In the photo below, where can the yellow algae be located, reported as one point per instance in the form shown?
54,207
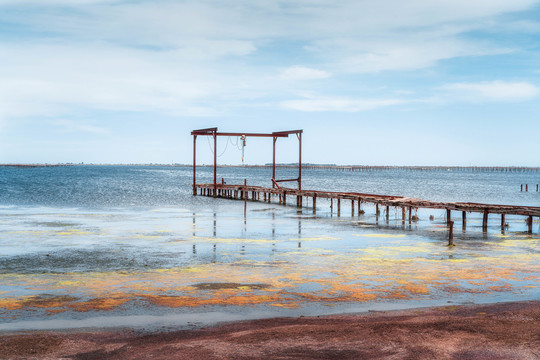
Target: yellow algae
108,303
501,288
287,306
68,283
350,277
73,232
11,304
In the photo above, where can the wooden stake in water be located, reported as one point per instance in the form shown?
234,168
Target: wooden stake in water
451,233
244,194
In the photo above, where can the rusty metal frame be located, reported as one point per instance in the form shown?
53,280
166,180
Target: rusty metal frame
274,135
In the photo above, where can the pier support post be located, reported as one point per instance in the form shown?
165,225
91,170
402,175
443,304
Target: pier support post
485,221
402,213
338,206
314,203
387,213
377,212
502,221
215,163
194,164
352,208
359,209
331,206
530,224
410,214
451,233
464,219
526,187
448,216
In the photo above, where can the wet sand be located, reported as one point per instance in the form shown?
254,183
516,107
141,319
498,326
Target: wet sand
495,331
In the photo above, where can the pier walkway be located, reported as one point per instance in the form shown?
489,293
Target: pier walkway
407,205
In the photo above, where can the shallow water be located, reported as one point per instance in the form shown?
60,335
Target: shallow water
130,246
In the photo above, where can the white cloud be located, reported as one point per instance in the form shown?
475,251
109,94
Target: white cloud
196,58
73,126
303,73
340,104
492,91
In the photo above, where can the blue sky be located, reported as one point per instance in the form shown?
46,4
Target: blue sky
385,82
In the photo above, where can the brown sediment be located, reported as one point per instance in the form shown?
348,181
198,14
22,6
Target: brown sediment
229,285
496,331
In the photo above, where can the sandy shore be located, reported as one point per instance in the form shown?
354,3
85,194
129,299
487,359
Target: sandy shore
496,331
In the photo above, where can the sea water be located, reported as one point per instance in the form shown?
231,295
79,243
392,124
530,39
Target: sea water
84,246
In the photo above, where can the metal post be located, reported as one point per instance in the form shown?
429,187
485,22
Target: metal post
485,221
299,198
274,161
215,162
194,164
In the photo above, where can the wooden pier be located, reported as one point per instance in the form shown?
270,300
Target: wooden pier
408,206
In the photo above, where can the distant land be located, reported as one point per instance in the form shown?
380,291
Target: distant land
307,166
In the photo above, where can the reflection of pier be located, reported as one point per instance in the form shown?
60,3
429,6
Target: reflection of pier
407,205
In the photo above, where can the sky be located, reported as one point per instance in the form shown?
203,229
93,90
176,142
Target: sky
371,82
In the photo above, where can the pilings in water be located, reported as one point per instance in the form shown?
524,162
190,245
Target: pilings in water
527,187
245,192
451,233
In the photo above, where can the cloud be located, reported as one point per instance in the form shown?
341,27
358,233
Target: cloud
108,78
200,58
340,104
303,73
73,126
492,91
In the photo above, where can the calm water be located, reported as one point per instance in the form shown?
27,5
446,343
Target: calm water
128,186
130,246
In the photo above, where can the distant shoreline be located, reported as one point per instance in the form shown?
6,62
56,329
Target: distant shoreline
309,166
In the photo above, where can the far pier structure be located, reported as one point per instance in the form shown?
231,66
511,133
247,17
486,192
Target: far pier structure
407,204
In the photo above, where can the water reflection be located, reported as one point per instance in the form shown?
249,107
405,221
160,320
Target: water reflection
311,259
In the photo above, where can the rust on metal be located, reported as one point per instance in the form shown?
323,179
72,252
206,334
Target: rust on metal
274,135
